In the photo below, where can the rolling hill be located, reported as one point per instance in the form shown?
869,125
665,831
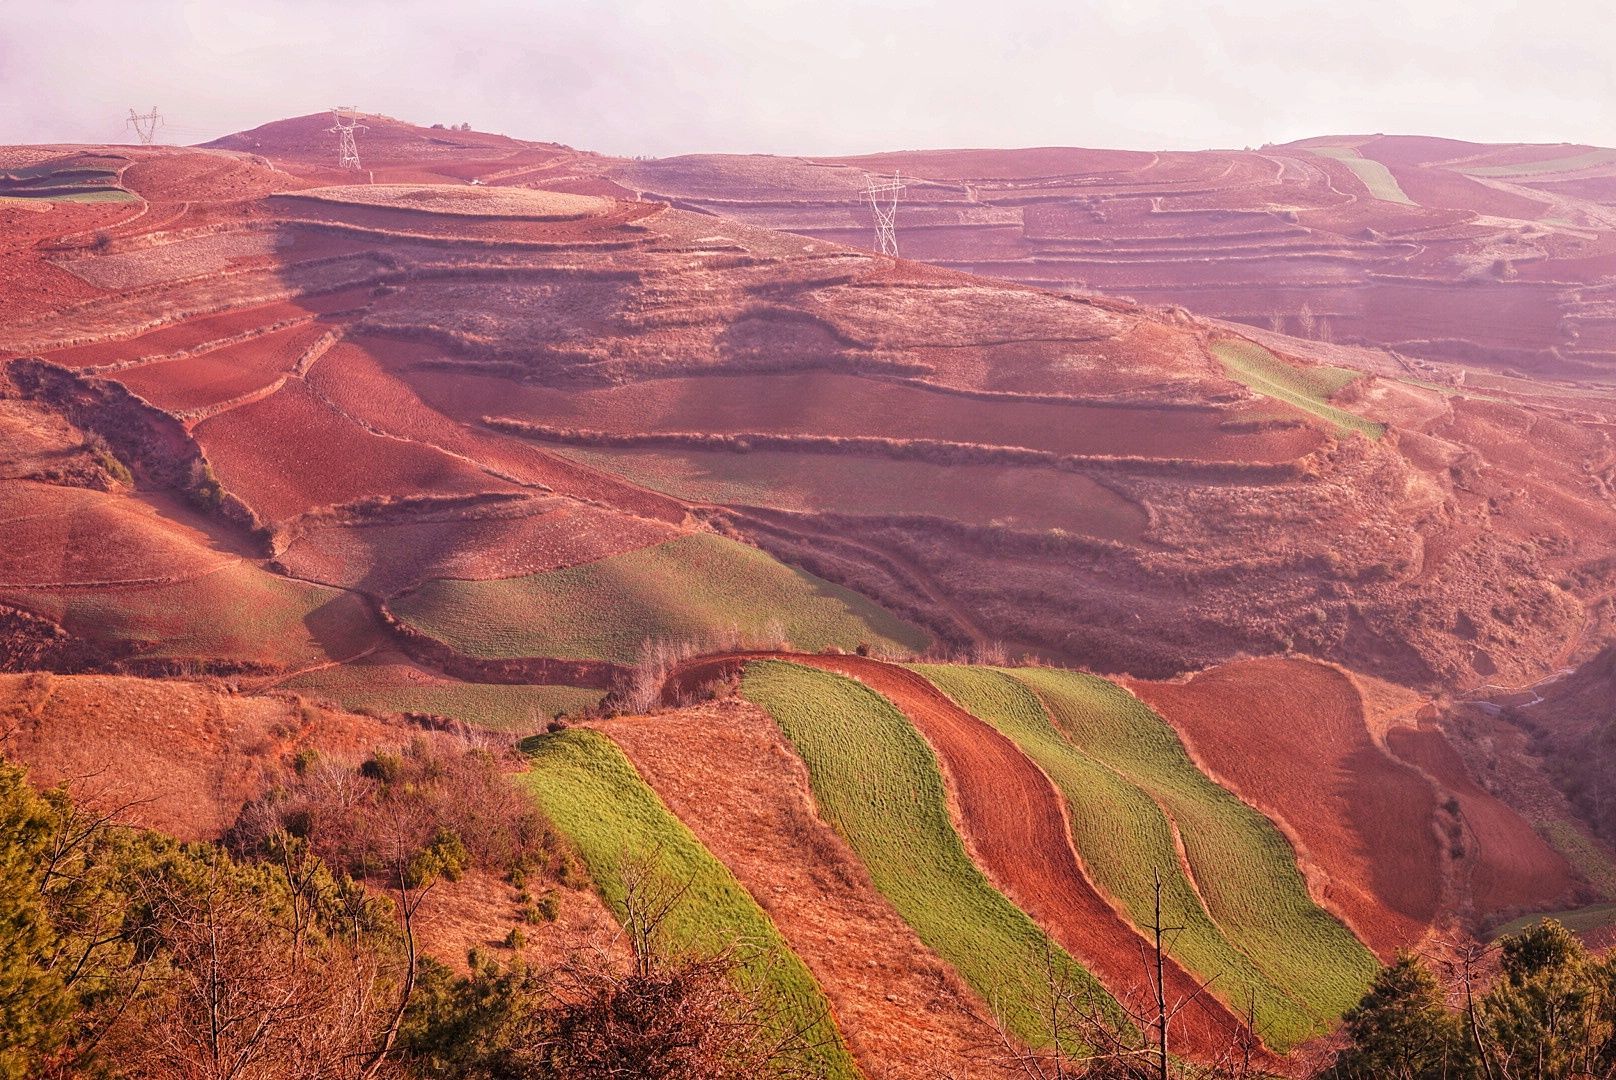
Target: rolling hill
466,455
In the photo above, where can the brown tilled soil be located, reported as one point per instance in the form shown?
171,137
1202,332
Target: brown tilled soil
1291,739
725,770
1505,864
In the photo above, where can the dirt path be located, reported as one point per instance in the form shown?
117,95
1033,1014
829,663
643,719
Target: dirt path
727,772
1014,823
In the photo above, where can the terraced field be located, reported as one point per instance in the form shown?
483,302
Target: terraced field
878,784
1309,389
1375,176
1291,739
236,613
1124,834
589,789
824,403
1036,499
697,587
1243,869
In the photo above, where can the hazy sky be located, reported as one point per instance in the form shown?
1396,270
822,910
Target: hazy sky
822,76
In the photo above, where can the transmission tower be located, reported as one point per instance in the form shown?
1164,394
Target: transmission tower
883,197
145,124
347,151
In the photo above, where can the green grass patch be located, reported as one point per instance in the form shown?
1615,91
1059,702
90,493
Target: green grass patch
1589,160
692,588
112,195
586,785
1307,388
1586,855
1245,869
878,784
524,709
1375,176
1583,920
1122,833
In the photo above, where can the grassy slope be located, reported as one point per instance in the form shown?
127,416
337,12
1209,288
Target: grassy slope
1583,920
877,783
1307,388
1121,834
693,587
1244,867
1586,160
1375,176
590,790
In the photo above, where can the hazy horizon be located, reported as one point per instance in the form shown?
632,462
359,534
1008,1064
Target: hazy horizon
831,77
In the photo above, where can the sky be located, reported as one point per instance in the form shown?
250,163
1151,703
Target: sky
821,76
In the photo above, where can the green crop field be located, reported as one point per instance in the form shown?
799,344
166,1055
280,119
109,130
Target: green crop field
1583,920
1121,835
692,588
1375,176
1244,868
878,784
586,785
500,707
1308,388
1589,160
75,179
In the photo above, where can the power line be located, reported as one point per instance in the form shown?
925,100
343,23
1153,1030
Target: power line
883,197
145,124
347,150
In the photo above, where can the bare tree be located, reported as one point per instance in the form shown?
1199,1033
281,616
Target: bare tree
1090,1036
1306,323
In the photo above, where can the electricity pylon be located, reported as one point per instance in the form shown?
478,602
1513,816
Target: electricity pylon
883,196
145,124
347,150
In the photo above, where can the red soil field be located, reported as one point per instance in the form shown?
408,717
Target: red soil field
1290,738
289,453
189,755
1046,162
1511,869
825,403
604,222
76,536
1031,499
725,770
30,285
221,375
358,377
1014,823
384,557
190,334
